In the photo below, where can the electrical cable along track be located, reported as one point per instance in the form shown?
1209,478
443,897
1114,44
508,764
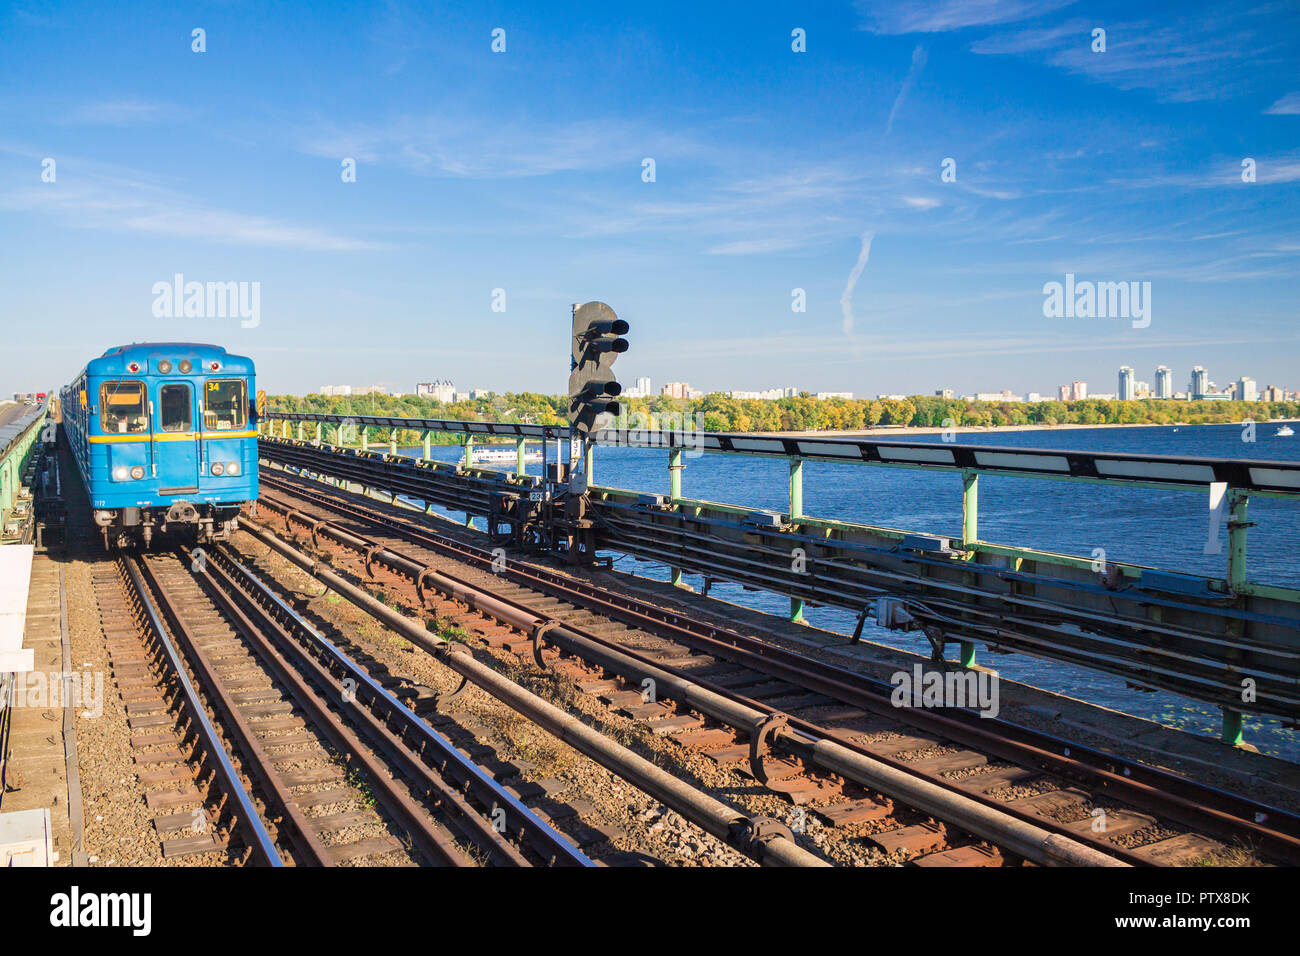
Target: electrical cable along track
327,767
822,736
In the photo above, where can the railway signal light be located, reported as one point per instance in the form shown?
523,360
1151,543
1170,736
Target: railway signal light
597,343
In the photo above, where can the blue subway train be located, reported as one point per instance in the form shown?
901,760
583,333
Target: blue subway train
165,437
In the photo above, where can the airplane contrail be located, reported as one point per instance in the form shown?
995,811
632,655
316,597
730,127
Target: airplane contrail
846,298
918,62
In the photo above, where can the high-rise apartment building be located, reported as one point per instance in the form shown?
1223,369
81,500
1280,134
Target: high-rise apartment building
1164,382
1127,390
1199,385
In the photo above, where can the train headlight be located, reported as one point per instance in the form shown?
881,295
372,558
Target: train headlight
164,366
137,472
120,473
186,366
232,468
218,469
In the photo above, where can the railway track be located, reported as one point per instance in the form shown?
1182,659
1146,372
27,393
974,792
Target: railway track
201,799
934,788
263,738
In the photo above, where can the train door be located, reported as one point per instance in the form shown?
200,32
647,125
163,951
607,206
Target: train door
178,451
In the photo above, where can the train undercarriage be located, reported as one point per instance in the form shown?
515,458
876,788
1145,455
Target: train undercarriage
126,527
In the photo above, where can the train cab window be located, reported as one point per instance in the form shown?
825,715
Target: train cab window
122,408
225,404
174,407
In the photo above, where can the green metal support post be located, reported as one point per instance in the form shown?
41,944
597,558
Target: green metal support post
1238,500
970,508
466,461
970,514
675,467
796,514
392,442
426,440
1237,526
365,438
589,461
1233,727
521,455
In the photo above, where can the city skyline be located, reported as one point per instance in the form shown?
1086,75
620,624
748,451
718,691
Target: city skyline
1162,386
880,207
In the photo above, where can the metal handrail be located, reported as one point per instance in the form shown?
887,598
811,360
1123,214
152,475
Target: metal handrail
1271,477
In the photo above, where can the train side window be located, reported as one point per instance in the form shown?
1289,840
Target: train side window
122,408
225,404
174,402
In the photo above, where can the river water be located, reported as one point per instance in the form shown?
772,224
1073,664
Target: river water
1165,529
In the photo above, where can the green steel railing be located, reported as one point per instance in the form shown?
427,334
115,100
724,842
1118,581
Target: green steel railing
16,441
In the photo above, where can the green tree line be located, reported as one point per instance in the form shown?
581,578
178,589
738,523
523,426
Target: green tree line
721,413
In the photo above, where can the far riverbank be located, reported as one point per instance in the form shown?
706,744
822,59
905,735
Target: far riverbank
902,430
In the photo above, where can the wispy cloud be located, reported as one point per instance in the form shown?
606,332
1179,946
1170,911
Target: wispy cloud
493,147
1193,59
1288,105
1181,59
124,112
749,247
937,16
779,206
1217,172
114,202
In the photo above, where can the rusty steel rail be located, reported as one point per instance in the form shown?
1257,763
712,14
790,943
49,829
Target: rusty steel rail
393,729
1031,838
1208,809
760,838
257,839
257,763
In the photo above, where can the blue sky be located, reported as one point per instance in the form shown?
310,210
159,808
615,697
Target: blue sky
774,170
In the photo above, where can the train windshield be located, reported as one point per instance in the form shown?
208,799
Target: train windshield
122,408
225,404
174,402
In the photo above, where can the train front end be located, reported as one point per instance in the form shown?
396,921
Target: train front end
170,440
